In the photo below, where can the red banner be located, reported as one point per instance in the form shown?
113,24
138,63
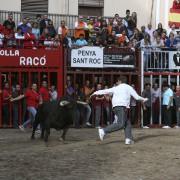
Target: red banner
30,58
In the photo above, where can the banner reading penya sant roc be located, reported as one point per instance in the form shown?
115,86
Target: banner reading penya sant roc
174,60
30,58
98,57
87,57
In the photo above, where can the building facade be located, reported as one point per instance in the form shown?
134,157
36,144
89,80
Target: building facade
148,11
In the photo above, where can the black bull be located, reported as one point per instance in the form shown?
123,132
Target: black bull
57,114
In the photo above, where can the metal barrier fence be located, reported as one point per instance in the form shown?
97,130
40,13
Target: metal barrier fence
56,18
24,67
158,67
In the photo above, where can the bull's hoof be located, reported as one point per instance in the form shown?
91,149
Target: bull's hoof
61,139
32,137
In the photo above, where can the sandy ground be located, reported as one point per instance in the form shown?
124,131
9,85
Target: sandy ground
154,156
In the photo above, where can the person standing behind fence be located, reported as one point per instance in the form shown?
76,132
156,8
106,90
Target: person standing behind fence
53,93
44,92
80,27
167,103
121,95
6,96
107,107
16,106
155,103
32,101
177,103
147,106
133,108
97,102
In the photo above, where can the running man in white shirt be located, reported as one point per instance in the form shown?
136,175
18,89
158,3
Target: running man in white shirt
121,95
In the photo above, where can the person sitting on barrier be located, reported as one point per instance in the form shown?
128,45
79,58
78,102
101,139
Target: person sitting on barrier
36,30
80,27
29,39
63,32
158,43
164,37
6,96
177,103
9,36
19,38
123,39
33,101
51,29
24,25
56,42
81,41
171,42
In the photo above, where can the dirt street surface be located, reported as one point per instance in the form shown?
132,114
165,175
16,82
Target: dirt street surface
154,156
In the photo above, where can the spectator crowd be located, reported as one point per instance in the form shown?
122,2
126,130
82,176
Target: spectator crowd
92,31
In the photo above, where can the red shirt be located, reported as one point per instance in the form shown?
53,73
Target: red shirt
5,94
29,40
98,102
32,98
44,93
107,101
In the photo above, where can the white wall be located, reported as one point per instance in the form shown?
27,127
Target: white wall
10,5
142,7
63,7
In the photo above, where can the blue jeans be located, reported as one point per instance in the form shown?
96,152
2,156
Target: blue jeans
32,112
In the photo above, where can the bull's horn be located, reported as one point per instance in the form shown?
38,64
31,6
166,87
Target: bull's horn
64,103
81,102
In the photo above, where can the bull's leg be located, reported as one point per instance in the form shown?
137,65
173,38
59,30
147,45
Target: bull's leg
47,132
64,133
35,125
42,133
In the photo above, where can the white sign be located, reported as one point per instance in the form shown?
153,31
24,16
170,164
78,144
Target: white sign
87,57
174,60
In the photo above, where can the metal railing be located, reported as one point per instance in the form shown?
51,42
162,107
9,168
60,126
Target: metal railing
56,18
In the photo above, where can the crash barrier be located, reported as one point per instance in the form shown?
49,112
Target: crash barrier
158,67
102,65
161,59
24,67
